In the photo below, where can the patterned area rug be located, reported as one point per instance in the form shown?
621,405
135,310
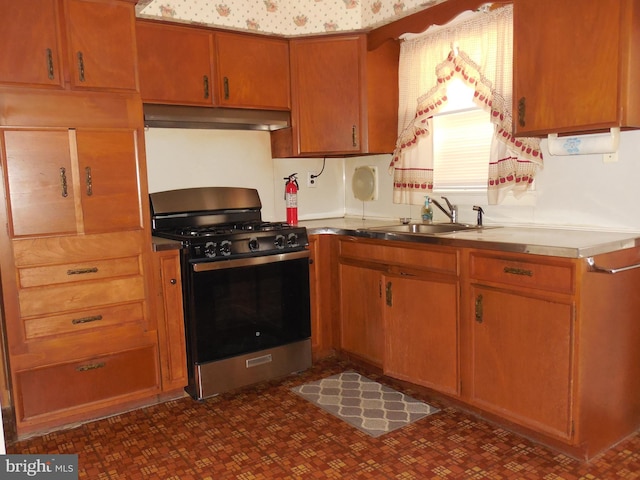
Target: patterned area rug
367,405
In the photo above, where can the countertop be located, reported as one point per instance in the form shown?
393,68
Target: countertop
559,242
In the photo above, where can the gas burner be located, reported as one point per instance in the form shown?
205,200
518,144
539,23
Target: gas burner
204,231
261,226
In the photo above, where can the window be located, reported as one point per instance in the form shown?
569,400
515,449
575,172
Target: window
462,134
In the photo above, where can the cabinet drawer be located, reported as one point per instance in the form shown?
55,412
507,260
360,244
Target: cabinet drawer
40,301
84,320
524,272
76,272
442,259
56,250
58,387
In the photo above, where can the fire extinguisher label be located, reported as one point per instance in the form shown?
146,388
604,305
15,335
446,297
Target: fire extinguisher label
292,200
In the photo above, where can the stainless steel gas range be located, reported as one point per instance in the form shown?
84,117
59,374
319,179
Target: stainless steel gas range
245,287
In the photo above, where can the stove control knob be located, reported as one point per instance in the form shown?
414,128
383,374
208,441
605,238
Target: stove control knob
292,240
253,244
225,248
210,249
279,241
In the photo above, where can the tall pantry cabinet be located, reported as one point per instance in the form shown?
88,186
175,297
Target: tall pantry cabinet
75,252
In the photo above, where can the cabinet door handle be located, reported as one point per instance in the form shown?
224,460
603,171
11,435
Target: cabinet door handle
93,318
91,366
226,88
82,271
479,309
354,137
518,271
522,110
173,281
389,294
50,71
63,181
205,82
80,66
87,172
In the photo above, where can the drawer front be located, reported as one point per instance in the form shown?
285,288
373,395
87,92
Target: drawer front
40,301
525,272
77,272
83,321
58,387
441,259
77,248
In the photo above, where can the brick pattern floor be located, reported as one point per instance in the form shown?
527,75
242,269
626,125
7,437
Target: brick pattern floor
268,432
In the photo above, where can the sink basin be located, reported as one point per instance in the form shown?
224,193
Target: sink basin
425,228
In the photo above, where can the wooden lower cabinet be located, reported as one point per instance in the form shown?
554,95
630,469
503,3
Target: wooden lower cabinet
86,382
399,310
522,351
421,331
171,334
362,329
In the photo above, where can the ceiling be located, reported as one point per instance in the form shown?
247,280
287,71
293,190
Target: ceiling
289,18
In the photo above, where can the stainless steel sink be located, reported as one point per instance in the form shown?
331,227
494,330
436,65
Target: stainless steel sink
426,228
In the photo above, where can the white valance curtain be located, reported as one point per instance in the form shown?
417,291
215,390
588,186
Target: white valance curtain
476,47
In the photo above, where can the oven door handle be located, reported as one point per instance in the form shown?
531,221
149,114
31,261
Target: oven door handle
251,261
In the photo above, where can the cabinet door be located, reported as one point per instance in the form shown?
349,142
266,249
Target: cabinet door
109,179
40,182
361,293
101,38
171,334
326,77
421,331
174,64
30,37
252,71
566,79
523,359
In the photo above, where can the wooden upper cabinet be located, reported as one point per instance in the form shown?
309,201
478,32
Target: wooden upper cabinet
30,37
579,79
327,83
175,64
252,71
63,182
344,98
99,36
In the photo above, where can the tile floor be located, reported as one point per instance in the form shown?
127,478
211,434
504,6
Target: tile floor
268,432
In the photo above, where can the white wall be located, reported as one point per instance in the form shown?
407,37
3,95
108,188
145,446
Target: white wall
578,191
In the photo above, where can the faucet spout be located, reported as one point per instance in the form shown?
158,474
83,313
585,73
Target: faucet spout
452,213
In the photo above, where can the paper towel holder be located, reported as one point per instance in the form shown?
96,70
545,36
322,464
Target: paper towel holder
586,144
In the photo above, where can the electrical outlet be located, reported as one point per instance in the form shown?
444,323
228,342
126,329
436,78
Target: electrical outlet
311,180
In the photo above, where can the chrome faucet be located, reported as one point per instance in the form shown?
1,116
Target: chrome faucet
453,209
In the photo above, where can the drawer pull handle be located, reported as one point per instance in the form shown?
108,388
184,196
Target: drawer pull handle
63,181
50,64
87,172
81,67
518,271
595,268
205,84
91,366
389,294
522,111
479,309
82,271
226,88
93,318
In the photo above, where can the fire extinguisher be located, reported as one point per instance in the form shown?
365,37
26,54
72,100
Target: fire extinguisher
291,198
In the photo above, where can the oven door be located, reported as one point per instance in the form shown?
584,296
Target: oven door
241,306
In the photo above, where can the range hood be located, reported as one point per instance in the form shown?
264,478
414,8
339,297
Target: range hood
179,116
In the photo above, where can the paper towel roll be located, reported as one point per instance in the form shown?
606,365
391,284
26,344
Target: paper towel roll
584,144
